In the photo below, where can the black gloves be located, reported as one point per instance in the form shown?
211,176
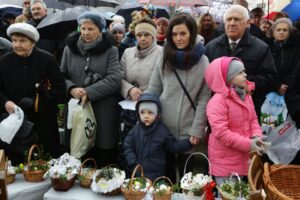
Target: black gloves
26,103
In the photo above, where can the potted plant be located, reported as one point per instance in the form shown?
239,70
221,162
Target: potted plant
108,181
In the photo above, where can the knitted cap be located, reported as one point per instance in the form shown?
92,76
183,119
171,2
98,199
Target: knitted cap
146,27
149,106
235,67
25,29
95,17
118,27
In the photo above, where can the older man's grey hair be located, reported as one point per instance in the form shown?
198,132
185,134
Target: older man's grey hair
38,1
236,8
280,21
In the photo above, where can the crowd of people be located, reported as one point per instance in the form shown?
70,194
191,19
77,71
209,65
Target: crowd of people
196,83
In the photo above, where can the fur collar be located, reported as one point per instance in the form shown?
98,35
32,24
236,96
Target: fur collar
105,44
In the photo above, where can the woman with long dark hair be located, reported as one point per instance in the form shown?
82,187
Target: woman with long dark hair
183,61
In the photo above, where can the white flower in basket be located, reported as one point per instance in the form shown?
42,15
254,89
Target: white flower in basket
194,185
10,169
107,180
65,167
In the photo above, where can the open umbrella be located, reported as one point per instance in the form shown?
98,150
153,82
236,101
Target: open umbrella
57,4
293,10
59,24
93,3
126,9
176,3
271,15
12,9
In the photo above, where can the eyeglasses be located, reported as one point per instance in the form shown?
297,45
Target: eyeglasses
26,3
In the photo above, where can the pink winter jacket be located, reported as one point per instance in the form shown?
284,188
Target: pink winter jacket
233,122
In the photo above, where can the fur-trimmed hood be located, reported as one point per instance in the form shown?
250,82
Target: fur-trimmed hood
106,43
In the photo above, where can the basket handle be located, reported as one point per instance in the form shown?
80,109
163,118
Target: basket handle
139,166
196,153
238,178
89,159
163,177
30,153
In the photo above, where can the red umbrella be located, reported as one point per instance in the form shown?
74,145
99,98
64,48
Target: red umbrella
271,15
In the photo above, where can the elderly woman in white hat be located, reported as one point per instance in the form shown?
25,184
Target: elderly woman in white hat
30,78
92,71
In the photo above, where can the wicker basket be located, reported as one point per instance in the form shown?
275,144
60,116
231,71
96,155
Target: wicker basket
116,191
37,175
131,194
167,195
62,185
86,182
10,178
282,181
187,193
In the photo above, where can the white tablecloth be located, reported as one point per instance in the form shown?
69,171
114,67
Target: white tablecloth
22,190
79,193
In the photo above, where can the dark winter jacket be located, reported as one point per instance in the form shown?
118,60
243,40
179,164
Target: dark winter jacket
286,55
18,79
148,145
292,96
258,61
103,94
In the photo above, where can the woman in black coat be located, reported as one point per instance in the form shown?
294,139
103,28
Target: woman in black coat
30,78
285,47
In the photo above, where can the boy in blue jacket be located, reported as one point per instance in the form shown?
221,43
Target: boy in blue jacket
149,140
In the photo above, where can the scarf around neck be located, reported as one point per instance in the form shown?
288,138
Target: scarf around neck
187,59
240,92
85,47
141,53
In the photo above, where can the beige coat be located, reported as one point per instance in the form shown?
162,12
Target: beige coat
137,67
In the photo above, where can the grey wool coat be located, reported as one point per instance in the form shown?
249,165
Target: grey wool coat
177,112
103,94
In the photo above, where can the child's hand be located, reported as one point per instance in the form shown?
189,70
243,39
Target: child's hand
194,140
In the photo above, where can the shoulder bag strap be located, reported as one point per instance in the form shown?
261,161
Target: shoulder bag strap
185,91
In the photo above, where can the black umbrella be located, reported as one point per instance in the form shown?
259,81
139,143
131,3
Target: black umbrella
59,24
12,9
126,9
93,3
57,4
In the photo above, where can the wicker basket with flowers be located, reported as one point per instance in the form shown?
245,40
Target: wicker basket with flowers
86,174
35,169
197,185
63,172
162,188
108,180
232,190
136,188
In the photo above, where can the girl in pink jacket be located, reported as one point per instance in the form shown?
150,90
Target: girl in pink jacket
231,114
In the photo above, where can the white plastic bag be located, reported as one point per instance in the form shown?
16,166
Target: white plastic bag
273,112
73,104
285,142
10,125
84,129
